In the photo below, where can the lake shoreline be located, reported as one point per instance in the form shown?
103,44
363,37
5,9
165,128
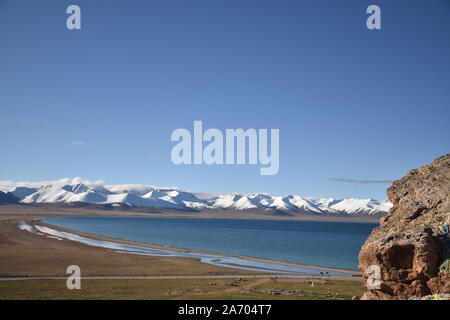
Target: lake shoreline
94,236
21,210
28,212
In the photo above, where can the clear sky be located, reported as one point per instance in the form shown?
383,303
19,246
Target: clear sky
102,102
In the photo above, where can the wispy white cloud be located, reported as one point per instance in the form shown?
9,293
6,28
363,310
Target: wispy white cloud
6,183
78,144
367,181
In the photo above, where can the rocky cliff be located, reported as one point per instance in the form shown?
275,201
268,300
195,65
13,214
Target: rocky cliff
411,246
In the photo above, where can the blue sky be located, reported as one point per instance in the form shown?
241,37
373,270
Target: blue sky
349,102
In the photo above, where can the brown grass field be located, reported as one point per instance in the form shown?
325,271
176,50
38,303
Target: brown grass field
157,289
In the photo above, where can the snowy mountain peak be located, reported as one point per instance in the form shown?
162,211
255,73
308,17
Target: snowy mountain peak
78,190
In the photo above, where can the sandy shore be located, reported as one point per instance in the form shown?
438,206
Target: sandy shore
12,213
25,254
174,249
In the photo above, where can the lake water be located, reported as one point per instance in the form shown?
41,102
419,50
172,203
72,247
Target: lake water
326,244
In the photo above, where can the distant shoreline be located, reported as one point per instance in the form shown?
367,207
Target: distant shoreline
176,249
21,210
30,212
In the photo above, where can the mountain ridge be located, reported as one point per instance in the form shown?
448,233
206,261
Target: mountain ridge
80,191
7,198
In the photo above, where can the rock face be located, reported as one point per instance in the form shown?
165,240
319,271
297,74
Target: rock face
412,246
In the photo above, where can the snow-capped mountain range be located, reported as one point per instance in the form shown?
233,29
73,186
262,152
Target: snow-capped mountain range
78,190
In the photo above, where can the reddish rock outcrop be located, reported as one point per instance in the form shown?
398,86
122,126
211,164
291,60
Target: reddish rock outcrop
412,246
